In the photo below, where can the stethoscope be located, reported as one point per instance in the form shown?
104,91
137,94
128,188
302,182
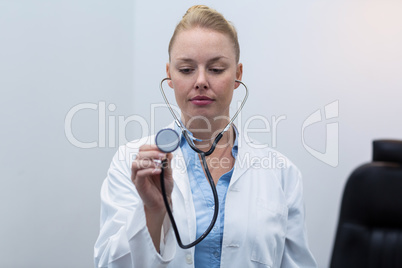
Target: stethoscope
168,141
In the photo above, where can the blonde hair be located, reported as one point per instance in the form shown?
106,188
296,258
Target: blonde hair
208,18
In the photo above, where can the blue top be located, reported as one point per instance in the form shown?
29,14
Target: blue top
208,252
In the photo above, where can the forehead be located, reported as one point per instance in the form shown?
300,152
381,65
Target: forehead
199,43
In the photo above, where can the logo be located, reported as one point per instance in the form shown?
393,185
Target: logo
331,154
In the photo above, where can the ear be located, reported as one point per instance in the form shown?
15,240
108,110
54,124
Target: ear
239,74
169,82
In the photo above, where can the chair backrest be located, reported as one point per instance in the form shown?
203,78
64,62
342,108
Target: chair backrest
369,231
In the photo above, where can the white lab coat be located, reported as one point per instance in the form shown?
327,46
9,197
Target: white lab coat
264,215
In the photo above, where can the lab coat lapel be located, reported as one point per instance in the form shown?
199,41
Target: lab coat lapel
243,160
180,175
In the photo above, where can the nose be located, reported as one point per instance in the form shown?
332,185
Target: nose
201,82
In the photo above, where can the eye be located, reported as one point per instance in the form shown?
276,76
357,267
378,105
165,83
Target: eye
216,70
185,70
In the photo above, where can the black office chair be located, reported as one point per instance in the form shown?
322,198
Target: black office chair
369,231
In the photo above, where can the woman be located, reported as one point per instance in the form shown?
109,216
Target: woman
261,218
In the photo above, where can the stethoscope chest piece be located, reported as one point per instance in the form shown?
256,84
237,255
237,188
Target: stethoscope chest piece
167,140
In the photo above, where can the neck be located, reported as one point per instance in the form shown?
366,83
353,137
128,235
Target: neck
207,130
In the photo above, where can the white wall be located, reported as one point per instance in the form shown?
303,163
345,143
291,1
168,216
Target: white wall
53,56
298,56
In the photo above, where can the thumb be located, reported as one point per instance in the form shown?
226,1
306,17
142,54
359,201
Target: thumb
168,165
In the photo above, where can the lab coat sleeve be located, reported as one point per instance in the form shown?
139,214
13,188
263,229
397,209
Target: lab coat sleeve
296,253
124,240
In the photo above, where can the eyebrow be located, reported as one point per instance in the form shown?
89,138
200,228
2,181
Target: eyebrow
209,61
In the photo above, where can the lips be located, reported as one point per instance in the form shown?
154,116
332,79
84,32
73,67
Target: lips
201,100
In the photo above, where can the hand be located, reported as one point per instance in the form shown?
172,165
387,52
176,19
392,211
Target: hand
146,178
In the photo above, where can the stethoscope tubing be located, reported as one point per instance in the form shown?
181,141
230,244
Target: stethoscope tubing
170,214
177,121
204,163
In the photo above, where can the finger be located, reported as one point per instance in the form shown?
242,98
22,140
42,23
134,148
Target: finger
144,164
148,147
143,176
154,154
148,172
138,165
168,164
169,156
